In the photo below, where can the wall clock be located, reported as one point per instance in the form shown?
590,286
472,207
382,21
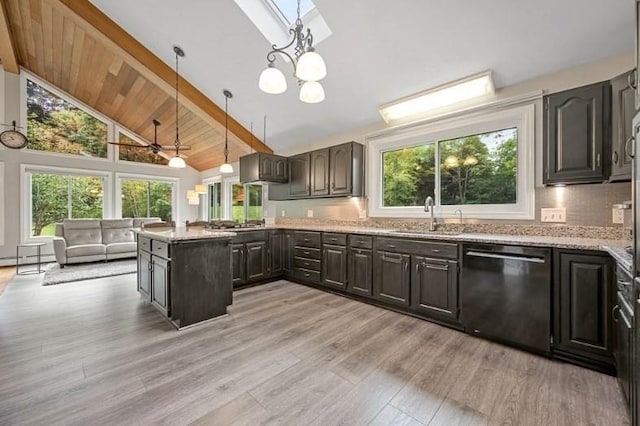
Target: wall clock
12,138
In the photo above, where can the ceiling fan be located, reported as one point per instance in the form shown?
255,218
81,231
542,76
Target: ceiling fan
155,147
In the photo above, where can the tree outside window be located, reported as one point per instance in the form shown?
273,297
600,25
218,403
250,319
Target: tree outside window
138,155
147,198
476,169
246,202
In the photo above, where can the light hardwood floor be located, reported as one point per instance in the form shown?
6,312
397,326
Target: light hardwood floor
93,353
6,274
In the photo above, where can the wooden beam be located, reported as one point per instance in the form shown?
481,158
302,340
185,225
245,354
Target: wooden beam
191,96
7,48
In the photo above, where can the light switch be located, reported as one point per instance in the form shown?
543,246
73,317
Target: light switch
618,215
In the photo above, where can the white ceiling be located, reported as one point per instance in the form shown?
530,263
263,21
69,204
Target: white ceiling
379,51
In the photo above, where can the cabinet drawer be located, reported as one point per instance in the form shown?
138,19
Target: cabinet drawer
307,275
307,239
160,248
144,244
420,248
334,239
360,241
301,262
307,252
249,237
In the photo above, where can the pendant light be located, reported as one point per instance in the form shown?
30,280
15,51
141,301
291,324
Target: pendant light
226,167
177,161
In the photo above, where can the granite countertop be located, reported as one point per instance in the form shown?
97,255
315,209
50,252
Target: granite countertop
183,233
622,258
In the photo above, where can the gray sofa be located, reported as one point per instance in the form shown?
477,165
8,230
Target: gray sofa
92,240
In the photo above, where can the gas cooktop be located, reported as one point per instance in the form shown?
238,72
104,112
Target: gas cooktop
231,224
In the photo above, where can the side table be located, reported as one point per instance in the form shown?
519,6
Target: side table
38,247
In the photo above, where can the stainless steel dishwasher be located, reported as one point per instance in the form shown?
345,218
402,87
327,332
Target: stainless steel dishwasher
505,294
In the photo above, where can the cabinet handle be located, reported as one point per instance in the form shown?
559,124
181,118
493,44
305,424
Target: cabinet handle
597,160
614,157
614,313
624,283
406,266
632,83
436,251
306,263
306,240
627,151
417,268
333,239
391,246
306,253
307,275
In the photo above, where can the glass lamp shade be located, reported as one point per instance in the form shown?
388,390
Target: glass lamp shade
311,67
192,194
201,189
177,162
311,92
226,168
272,81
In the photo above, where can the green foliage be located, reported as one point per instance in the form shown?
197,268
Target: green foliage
55,125
409,175
138,155
146,199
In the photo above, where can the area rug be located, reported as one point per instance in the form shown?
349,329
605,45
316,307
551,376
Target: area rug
54,274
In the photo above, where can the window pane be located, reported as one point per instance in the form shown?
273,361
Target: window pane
215,201
287,9
86,197
237,202
409,175
49,202
479,169
255,202
147,198
139,155
56,125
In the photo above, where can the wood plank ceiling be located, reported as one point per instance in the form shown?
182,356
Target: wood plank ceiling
75,47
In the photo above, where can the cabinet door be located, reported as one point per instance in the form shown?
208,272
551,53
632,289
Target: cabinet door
637,57
320,173
583,305
576,123
622,350
340,163
266,167
392,278
360,272
299,176
275,252
160,285
623,110
434,287
144,274
281,169
334,266
287,252
238,275
256,261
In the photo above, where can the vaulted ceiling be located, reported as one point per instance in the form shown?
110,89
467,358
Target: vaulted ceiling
75,47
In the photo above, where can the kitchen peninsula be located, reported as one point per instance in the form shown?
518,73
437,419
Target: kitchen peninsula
177,276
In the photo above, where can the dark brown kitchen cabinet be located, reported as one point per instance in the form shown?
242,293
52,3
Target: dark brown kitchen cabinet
276,251
256,266
237,264
319,173
576,135
392,278
623,110
622,354
299,186
160,284
287,253
144,274
434,287
334,266
637,52
583,305
341,166
360,269
264,167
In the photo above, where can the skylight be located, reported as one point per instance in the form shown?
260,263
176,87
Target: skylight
287,10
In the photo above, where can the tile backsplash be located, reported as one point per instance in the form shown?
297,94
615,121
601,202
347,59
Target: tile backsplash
586,205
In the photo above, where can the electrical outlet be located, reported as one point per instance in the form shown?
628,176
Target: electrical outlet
309,213
283,213
363,214
618,215
558,214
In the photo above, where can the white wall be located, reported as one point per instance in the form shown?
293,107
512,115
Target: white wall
13,159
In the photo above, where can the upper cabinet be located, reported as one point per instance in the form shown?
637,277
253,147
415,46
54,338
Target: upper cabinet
623,110
337,171
262,167
576,136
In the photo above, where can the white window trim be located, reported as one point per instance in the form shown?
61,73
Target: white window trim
116,152
207,182
175,206
227,194
24,76
2,203
25,190
522,117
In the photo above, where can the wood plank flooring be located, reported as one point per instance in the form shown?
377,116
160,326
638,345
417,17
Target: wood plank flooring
93,353
6,274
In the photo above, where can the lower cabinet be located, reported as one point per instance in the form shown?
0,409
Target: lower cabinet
275,251
360,267
144,274
287,253
160,269
237,264
256,262
250,261
334,266
583,305
392,280
434,287
623,356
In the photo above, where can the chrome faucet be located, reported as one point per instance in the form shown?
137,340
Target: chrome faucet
428,208
460,213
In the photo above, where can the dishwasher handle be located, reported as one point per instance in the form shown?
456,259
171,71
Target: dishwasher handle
515,257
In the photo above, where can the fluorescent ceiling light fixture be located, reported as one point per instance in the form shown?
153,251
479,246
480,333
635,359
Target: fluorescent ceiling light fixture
456,92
